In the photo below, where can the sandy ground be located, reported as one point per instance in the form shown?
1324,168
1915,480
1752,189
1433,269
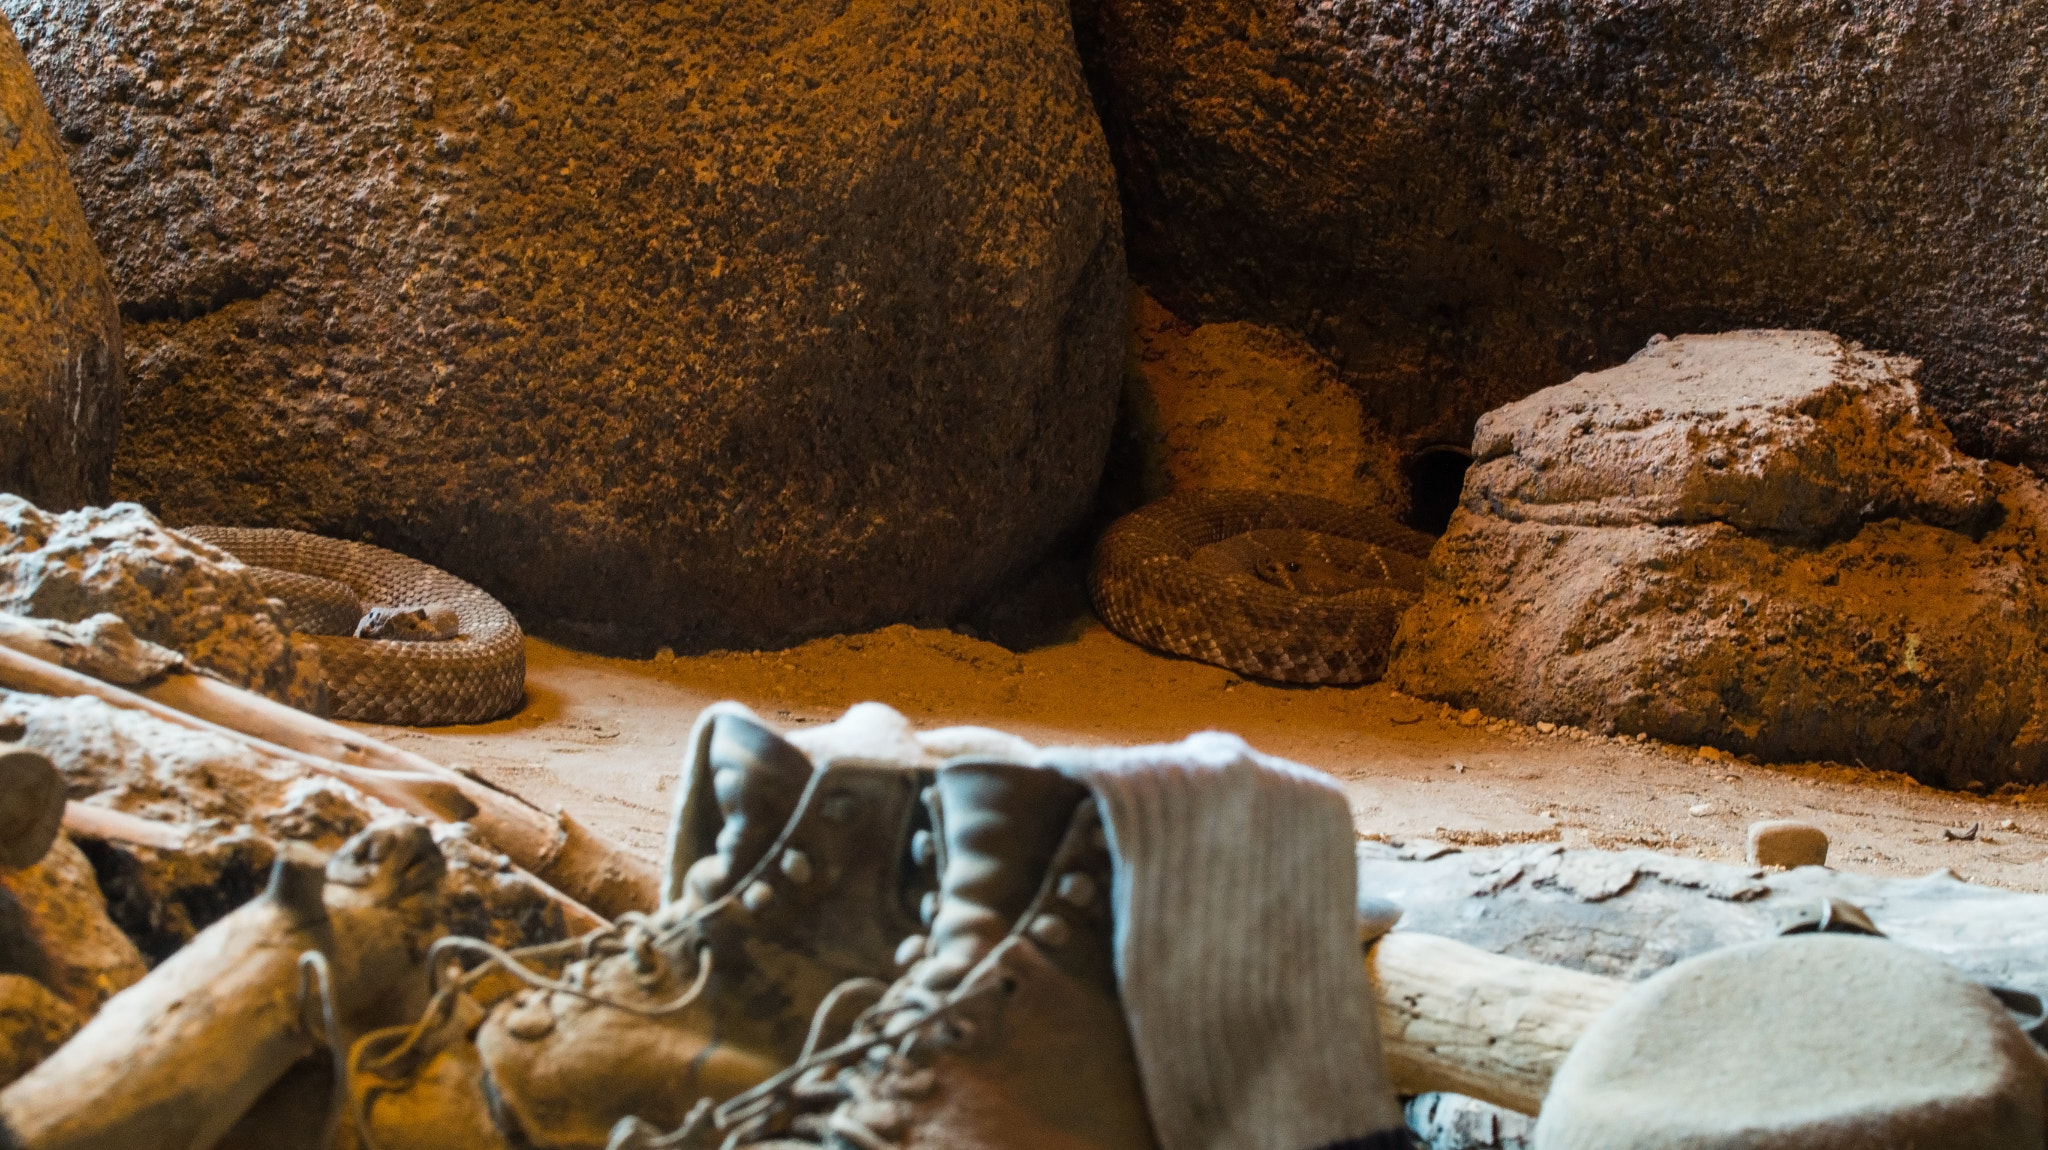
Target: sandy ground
602,738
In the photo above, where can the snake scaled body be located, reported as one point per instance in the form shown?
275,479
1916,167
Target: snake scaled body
1285,587
327,586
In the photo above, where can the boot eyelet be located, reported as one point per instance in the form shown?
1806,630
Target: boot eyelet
1050,930
1076,889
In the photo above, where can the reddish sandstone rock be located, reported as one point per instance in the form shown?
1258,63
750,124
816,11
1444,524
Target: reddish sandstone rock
1758,541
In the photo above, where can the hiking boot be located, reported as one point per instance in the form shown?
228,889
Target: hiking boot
785,880
1007,1032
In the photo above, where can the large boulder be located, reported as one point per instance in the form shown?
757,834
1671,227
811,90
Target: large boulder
1462,201
60,335
1757,540
687,324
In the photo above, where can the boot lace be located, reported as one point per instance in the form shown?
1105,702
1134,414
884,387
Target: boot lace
884,1057
381,1056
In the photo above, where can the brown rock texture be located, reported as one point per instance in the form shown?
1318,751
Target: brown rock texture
667,324
1251,408
33,1024
78,952
1461,202
168,588
60,335
1756,541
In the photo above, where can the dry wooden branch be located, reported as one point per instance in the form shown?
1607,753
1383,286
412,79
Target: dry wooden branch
1457,1019
119,826
556,849
173,1061
422,795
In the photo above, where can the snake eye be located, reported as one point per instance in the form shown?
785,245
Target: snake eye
1294,566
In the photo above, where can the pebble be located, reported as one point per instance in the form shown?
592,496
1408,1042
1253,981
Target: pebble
1787,843
1700,810
1547,727
1470,718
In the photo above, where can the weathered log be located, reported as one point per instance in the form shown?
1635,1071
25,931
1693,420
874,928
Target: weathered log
555,848
172,1062
1454,1018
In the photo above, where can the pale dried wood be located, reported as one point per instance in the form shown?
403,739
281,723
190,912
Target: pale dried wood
1457,1019
173,1061
423,795
108,825
581,866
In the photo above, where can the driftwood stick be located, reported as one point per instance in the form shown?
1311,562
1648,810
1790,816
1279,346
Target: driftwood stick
559,851
554,847
106,825
267,719
1457,1019
423,795
173,1061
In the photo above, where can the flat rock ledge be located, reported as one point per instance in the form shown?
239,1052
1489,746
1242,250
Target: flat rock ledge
1759,540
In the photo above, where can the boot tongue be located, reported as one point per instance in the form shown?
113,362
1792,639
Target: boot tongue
758,778
1002,823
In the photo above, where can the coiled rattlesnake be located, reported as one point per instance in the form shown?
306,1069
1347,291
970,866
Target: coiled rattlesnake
1286,587
477,674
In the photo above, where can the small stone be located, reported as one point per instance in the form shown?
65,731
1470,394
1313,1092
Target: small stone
1787,843
1701,810
2008,825
1470,718
1547,727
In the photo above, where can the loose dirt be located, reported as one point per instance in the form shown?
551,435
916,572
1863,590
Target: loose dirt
603,737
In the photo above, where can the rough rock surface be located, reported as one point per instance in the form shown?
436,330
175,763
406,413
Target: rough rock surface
33,1023
696,325
1756,541
65,939
60,335
1628,914
168,588
1462,201
235,806
1240,406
